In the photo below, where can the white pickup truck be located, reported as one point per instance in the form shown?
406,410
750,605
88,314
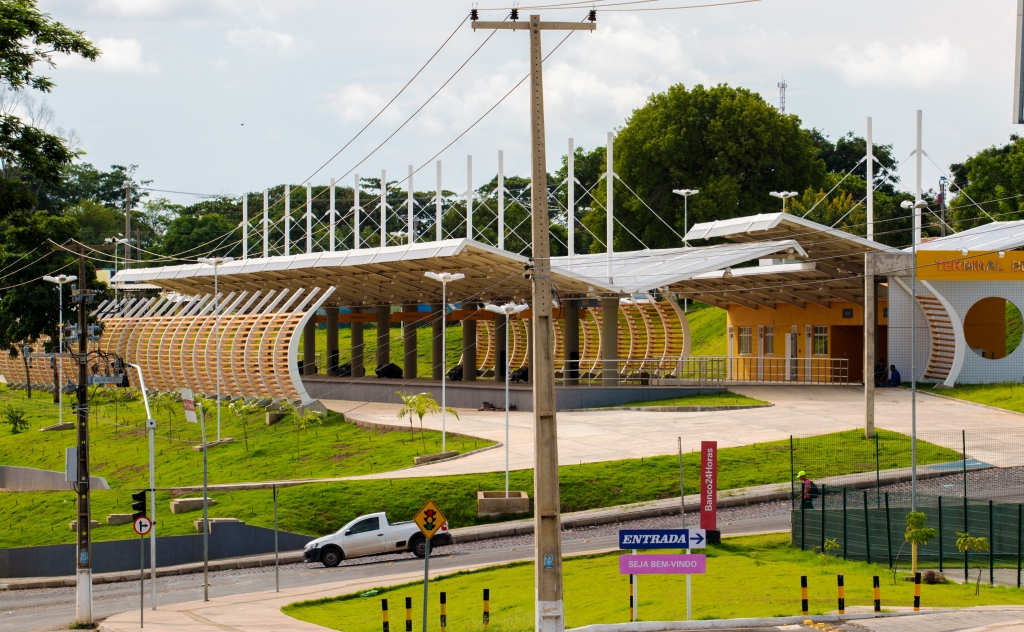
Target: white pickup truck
372,534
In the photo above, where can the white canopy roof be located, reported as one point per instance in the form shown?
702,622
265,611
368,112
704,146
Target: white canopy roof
643,270
988,237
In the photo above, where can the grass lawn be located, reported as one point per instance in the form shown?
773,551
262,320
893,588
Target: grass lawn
715,399
320,508
707,330
1003,395
120,449
754,576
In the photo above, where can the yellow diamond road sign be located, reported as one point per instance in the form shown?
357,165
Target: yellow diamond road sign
429,519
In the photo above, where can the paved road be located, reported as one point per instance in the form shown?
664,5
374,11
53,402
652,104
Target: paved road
593,436
54,608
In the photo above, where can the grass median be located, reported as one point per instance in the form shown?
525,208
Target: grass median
320,508
1002,395
120,448
755,576
728,398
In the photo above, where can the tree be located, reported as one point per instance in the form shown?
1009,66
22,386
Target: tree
201,236
243,410
168,401
420,405
994,179
15,417
917,535
727,142
31,156
966,543
304,420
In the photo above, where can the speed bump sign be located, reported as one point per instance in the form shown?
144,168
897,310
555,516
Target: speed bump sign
429,519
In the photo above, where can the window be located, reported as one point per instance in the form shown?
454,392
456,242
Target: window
821,341
769,341
847,313
366,526
746,341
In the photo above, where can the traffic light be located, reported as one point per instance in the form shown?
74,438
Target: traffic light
139,504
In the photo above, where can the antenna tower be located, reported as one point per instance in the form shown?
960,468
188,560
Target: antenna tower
782,96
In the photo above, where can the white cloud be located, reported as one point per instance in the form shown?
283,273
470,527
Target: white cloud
261,42
119,55
914,64
355,103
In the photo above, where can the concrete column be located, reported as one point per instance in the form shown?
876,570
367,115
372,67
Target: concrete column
500,336
358,369
469,351
383,335
332,340
571,342
610,340
870,347
436,351
409,343
309,347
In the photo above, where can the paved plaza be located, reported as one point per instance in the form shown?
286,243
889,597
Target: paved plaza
591,436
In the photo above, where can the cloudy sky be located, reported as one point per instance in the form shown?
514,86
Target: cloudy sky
224,96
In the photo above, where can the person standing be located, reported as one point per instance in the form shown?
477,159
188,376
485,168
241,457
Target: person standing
808,491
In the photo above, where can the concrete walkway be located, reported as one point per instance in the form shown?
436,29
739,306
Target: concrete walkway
591,436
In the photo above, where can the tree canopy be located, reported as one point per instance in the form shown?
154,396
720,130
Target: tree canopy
989,184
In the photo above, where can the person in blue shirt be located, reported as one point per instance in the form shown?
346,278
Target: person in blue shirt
894,377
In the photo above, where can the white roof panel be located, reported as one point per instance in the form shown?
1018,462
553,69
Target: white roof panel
768,221
643,270
988,237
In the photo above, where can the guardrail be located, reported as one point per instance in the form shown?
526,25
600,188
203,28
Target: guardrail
711,371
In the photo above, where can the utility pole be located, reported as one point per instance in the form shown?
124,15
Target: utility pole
549,612
127,223
83,561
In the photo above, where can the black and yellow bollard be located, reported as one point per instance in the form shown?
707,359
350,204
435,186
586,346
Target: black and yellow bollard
803,594
841,589
408,614
878,593
632,610
444,612
917,592
487,606
384,613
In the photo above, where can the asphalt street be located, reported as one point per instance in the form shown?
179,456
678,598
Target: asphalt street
54,608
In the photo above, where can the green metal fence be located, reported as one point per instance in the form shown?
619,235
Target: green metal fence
869,526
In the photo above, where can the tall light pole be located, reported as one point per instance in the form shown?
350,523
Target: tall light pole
784,195
60,280
216,262
445,278
917,206
151,430
686,193
508,310
115,241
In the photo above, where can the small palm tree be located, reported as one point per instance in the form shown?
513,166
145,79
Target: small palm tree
243,409
420,405
964,543
168,402
304,420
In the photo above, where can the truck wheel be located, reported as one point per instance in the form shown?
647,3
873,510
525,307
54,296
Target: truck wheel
418,547
331,557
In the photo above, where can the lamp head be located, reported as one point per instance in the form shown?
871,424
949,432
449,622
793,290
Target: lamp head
906,204
444,277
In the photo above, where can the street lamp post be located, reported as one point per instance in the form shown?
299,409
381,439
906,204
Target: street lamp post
918,206
686,193
508,310
60,280
216,262
445,278
115,241
784,195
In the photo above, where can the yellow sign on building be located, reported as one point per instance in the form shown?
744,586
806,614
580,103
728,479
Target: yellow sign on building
429,519
953,265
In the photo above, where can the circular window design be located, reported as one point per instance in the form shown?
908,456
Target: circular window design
993,328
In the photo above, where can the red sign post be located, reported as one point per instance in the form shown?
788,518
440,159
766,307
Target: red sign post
709,485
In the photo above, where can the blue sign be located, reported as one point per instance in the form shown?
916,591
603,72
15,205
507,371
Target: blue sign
662,539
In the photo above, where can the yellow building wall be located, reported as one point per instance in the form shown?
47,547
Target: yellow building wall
783,318
985,327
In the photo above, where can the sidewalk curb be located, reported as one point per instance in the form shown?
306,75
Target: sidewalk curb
670,409
763,622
